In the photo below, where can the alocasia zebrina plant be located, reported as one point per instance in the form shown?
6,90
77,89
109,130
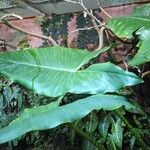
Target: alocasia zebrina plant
56,71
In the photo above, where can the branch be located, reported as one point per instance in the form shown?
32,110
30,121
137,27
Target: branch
100,33
86,28
83,6
145,74
24,31
96,22
103,10
11,15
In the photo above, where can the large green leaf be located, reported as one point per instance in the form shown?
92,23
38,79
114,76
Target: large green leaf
125,26
55,71
143,54
141,11
50,116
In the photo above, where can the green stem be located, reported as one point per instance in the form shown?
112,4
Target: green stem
140,142
88,137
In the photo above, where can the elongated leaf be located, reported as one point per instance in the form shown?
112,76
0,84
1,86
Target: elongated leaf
50,116
118,134
55,71
143,54
141,11
103,126
125,26
92,123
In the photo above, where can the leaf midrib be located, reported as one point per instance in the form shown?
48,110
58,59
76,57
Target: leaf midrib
54,68
137,18
38,66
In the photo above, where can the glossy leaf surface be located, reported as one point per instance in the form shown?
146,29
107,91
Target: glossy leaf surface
143,54
50,116
125,26
55,71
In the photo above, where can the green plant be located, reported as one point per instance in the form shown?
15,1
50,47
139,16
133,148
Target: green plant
139,24
59,71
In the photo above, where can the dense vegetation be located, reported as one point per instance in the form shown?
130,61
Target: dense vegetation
96,99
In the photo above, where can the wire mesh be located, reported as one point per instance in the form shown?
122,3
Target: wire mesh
29,8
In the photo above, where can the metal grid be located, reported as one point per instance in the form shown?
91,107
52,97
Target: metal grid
21,8
6,4
37,1
29,8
